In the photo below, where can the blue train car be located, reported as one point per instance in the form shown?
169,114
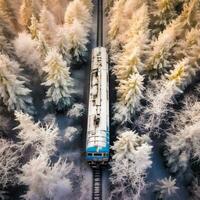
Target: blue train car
98,129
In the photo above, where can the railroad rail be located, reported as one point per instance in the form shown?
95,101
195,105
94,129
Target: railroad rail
97,184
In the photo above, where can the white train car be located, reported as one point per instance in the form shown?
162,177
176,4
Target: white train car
98,133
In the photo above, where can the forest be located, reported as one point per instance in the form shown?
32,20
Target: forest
154,59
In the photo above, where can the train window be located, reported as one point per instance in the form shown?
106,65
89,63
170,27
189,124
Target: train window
89,154
97,154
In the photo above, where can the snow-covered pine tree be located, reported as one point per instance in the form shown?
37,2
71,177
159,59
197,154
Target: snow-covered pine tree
135,40
131,159
8,15
116,20
57,80
182,142
13,92
88,4
47,25
26,50
163,12
129,93
6,37
166,188
6,47
40,138
63,43
182,147
46,180
77,40
177,80
78,23
76,10
161,53
26,11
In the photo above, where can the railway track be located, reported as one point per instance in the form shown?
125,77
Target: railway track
97,184
99,23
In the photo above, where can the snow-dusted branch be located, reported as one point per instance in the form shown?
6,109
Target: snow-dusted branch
9,163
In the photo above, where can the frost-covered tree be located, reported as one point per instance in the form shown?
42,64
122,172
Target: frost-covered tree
13,92
41,138
88,4
9,163
163,12
26,13
161,53
115,26
8,14
121,17
182,147
166,188
57,80
176,81
6,36
182,142
47,25
135,39
129,94
131,159
46,180
63,43
26,49
77,39
70,134
77,10
5,45
76,111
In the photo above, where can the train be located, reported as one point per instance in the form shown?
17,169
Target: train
98,125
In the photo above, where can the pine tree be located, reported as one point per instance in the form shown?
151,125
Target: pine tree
63,43
136,39
8,14
6,37
184,72
88,4
41,138
46,180
131,159
163,12
116,20
26,50
129,94
162,47
26,11
14,93
47,25
166,188
58,80
76,10
77,40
